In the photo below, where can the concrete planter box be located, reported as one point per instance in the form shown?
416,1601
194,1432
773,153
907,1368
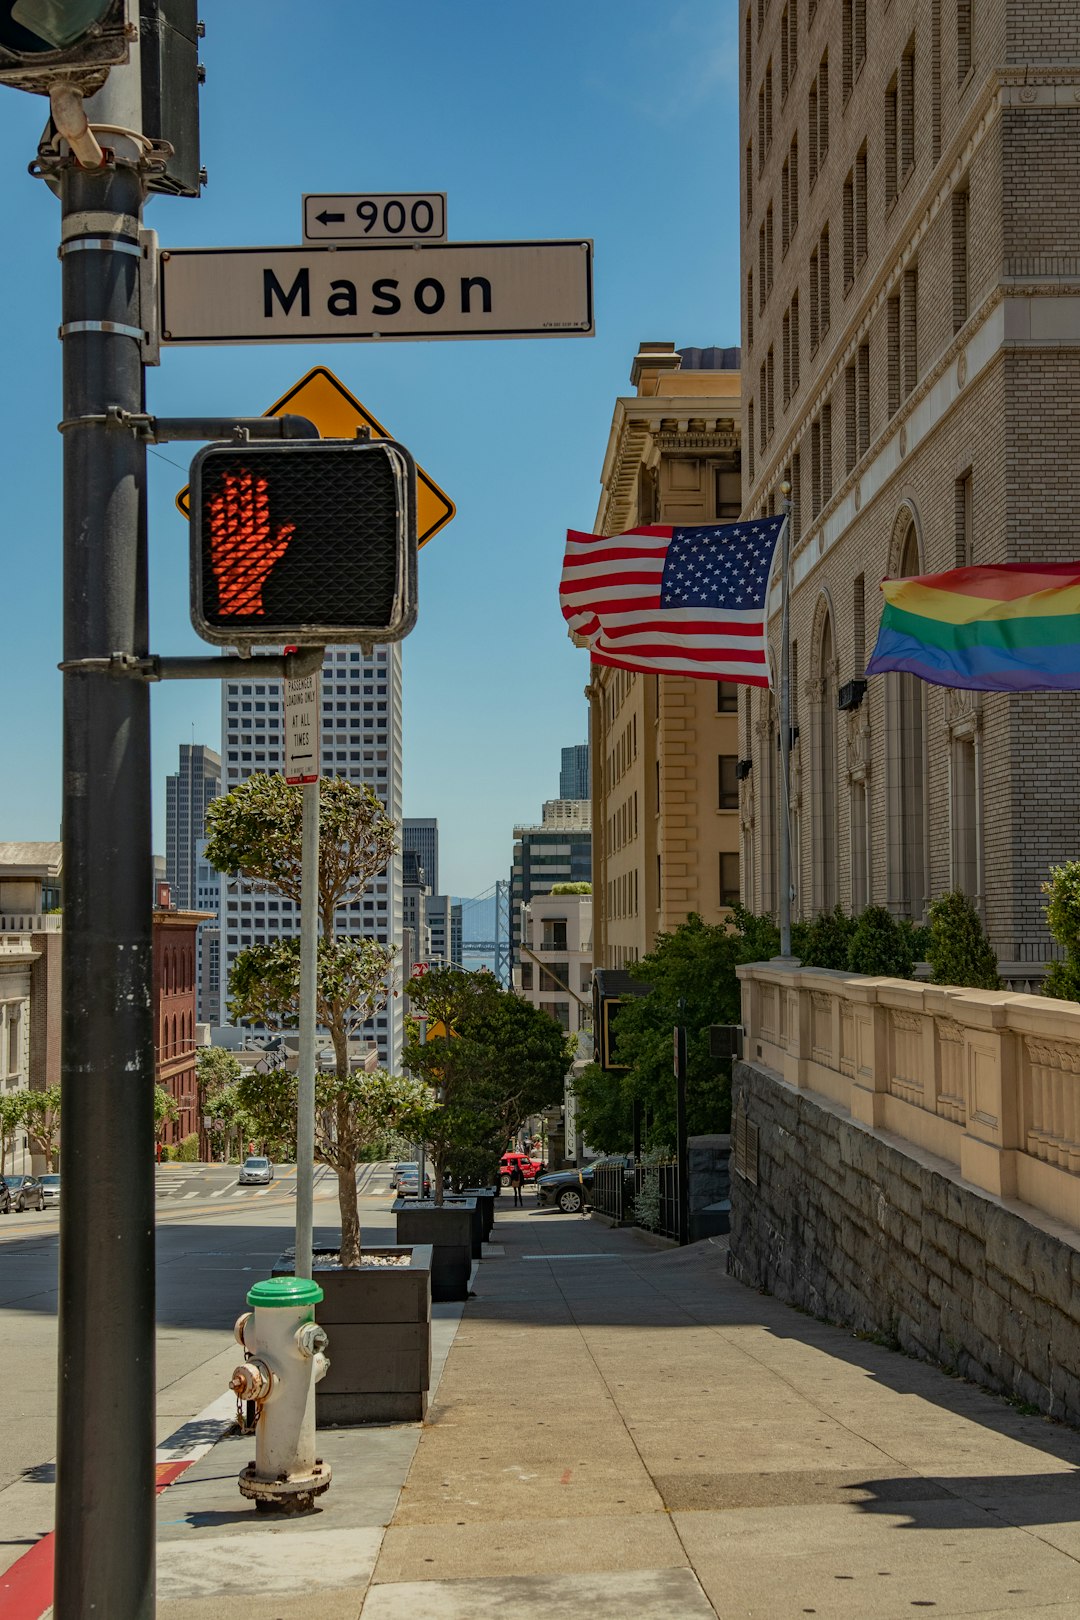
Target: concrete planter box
378,1321
485,1197
470,1201
448,1230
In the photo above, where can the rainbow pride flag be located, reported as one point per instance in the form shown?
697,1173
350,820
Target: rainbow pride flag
1012,627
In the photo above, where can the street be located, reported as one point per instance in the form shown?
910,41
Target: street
213,1240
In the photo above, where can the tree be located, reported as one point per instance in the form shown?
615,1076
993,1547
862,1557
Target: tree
1063,919
218,1072
376,1103
42,1118
257,830
166,1111
12,1117
692,979
491,1059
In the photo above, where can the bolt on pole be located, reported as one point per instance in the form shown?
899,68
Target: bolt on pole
104,1556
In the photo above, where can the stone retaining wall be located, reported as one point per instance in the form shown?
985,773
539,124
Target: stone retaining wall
855,1225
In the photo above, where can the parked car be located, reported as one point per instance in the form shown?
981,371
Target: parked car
50,1187
530,1167
407,1177
5,1197
25,1193
256,1172
571,1190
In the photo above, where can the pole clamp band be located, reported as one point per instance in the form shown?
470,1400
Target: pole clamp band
113,328
98,244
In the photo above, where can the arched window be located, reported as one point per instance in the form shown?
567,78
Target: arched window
906,771
823,776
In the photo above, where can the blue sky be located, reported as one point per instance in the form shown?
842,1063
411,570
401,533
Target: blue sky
615,119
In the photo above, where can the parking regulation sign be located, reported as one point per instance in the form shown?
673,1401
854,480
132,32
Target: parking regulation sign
302,729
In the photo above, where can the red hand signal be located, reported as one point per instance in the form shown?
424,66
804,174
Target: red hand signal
242,552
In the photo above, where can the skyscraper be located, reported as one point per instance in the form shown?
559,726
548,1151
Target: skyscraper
361,741
421,833
574,775
187,795
558,851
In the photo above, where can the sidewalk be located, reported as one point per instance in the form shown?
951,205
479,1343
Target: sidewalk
622,1431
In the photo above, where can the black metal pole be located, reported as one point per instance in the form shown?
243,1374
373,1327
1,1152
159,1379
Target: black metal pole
105,1481
681,1153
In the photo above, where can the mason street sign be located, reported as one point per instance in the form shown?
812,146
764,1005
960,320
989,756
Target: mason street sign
375,292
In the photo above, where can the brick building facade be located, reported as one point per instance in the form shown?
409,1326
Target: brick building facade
910,228
665,801
174,1015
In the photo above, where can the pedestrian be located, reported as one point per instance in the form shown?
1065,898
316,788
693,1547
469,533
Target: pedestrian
517,1181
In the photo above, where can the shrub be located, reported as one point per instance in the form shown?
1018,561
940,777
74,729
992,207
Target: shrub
1063,920
881,946
958,950
188,1150
826,941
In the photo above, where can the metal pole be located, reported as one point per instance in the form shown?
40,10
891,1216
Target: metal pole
104,1557
305,1100
785,728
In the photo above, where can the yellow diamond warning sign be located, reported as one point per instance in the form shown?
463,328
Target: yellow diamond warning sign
324,400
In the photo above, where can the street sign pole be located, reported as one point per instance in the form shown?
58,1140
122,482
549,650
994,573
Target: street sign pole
302,751
305,1101
104,1557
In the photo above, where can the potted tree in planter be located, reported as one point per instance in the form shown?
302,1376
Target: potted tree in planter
379,1313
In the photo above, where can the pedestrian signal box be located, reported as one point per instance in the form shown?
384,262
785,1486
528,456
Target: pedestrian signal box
307,542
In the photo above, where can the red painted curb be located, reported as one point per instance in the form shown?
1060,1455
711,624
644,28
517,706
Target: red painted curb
26,1588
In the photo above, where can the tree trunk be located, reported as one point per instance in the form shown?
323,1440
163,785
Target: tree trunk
346,1156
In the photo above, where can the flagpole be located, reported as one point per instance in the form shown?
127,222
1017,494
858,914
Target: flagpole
785,727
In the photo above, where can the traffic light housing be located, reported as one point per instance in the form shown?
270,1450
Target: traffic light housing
307,542
77,41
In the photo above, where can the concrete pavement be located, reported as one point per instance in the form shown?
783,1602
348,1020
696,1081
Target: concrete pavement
621,1430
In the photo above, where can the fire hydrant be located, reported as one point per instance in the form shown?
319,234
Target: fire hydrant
284,1351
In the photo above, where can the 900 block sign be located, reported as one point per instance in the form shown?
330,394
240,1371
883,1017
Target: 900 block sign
371,293
375,216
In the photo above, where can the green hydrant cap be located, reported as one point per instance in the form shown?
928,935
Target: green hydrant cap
284,1293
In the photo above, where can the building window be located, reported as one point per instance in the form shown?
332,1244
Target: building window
729,879
815,467
727,697
893,381
858,623
769,249
906,758
863,392
907,110
812,136
795,480
793,184
770,392
892,108
854,41
794,367
964,547
935,80
748,175
851,436
909,330
823,109
728,797
961,269
965,816
964,58
823,781
749,310
785,349
750,438
826,454
748,51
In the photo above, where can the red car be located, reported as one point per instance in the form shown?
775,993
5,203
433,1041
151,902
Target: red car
530,1168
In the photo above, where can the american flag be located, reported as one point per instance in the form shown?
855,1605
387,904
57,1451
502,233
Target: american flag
673,601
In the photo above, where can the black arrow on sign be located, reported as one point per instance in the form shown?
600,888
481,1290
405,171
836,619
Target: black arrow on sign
330,219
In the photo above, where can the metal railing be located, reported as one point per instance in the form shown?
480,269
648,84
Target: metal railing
656,1198
613,1190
